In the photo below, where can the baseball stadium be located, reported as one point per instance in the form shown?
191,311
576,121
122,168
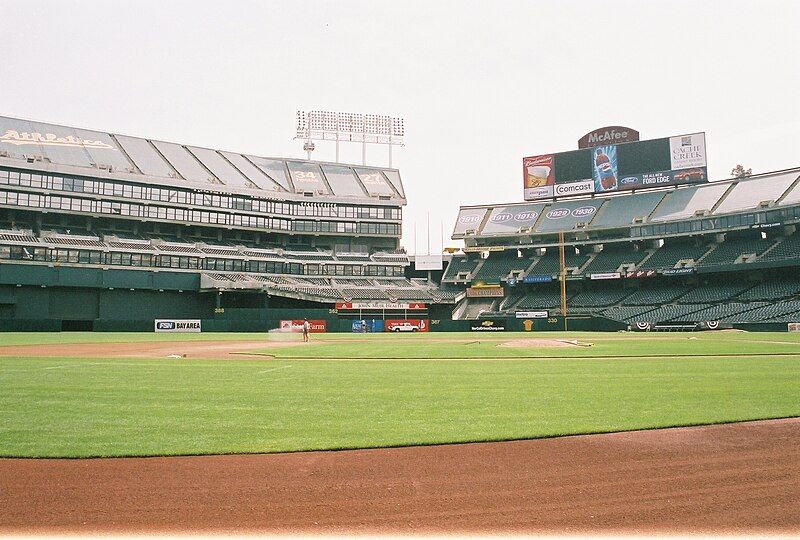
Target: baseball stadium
616,354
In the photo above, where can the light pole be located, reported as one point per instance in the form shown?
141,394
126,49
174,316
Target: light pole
349,127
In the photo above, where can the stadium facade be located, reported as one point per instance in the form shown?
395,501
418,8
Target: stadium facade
706,255
110,232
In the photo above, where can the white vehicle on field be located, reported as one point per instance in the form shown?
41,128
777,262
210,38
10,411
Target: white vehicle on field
405,327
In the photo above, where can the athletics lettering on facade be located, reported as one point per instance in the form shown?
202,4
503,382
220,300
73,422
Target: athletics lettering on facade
18,139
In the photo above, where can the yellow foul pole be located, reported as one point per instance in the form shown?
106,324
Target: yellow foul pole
563,264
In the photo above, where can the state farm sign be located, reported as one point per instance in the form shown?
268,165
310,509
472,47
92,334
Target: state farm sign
608,135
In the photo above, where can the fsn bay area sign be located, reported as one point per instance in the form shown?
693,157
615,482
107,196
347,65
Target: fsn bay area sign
177,325
608,135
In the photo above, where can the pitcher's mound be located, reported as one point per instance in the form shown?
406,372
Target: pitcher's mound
531,343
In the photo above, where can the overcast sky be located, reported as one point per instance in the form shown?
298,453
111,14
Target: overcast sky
480,84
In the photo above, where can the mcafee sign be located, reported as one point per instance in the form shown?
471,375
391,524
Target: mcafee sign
608,135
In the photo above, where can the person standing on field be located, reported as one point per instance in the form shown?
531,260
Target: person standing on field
306,329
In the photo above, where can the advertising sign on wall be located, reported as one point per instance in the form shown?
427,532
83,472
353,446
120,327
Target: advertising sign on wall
677,271
406,325
487,326
531,314
606,275
318,326
538,278
177,326
485,292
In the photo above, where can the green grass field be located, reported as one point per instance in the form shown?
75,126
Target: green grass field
357,391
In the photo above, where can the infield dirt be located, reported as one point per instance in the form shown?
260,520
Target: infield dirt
735,478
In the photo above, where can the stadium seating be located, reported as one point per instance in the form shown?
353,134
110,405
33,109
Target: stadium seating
722,313
654,296
610,260
599,297
773,312
730,251
672,313
786,249
540,300
771,290
669,254
713,293
498,266
550,263
628,313
460,265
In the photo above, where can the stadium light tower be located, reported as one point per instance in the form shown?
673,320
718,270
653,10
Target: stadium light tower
349,127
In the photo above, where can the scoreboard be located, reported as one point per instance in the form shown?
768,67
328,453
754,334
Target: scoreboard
616,167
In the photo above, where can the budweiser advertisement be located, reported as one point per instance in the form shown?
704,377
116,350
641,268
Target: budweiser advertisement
539,177
318,326
405,325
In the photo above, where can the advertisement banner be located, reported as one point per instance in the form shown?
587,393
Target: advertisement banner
606,135
543,192
177,326
366,326
713,325
318,326
677,271
538,171
345,306
485,292
531,314
428,262
606,275
642,326
664,178
641,274
538,278
487,326
406,325
687,151
585,187
605,171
